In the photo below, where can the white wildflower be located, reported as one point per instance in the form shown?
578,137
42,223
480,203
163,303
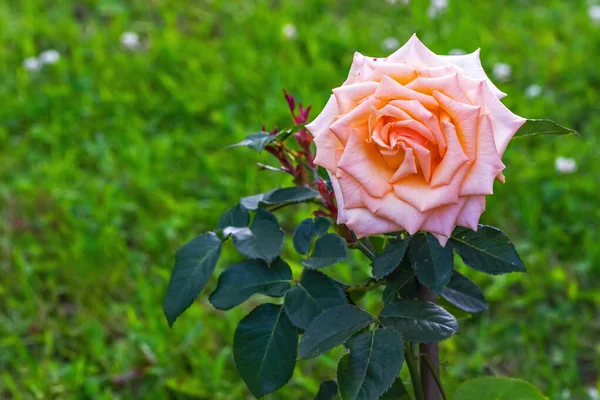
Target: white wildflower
32,64
533,91
49,57
593,392
565,165
392,2
390,44
502,71
290,32
130,40
457,52
436,8
594,13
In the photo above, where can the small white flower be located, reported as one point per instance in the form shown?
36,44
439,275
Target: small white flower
594,13
130,40
390,44
290,32
533,91
32,64
457,52
49,57
436,8
502,71
565,165
593,392
392,2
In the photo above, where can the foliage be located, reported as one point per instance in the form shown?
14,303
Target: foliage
112,158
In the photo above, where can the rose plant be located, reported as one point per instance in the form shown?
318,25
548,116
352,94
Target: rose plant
407,149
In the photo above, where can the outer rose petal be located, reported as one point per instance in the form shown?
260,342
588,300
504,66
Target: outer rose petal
364,223
416,54
329,151
471,212
321,123
441,238
389,89
471,64
355,118
363,162
449,85
480,178
465,118
351,190
393,209
348,96
442,220
373,69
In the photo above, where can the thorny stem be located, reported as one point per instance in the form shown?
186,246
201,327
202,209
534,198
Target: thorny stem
429,381
435,375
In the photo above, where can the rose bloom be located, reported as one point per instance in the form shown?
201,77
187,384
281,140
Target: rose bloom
413,142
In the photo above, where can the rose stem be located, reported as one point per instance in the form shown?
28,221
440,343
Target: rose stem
431,350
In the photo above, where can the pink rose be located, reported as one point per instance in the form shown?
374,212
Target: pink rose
413,142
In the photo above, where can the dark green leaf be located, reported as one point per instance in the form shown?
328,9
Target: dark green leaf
396,281
396,392
242,280
253,202
419,321
498,389
373,364
314,293
265,348
331,328
306,231
327,390
487,250
256,141
464,294
283,135
535,127
296,194
262,240
194,264
236,216
432,263
388,261
329,249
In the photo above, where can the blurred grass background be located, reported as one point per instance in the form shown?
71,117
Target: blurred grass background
112,158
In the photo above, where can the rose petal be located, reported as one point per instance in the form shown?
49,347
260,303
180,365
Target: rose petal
355,118
422,114
471,64
454,158
471,212
389,89
351,190
348,96
364,162
464,117
423,155
393,209
364,223
329,151
416,54
407,167
419,194
372,70
442,220
449,85
322,122
441,238
481,175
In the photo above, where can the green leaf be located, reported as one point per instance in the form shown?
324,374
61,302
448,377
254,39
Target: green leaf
262,240
283,135
306,231
327,390
296,194
396,281
419,321
329,249
314,293
265,348
256,141
236,216
195,262
535,127
390,259
464,294
487,250
432,263
242,280
396,392
280,196
497,389
331,328
373,364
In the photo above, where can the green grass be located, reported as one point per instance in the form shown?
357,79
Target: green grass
111,159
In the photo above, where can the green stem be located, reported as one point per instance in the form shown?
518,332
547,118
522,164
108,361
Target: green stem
411,363
362,247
